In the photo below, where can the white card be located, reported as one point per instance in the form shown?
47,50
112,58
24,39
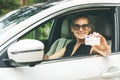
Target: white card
92,40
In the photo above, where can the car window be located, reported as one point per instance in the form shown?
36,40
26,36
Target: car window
102,20
39,33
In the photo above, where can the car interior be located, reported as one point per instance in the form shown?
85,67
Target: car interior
102,20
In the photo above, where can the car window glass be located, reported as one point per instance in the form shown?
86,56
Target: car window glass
39,33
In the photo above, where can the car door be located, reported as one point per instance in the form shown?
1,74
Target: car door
73,68
85,68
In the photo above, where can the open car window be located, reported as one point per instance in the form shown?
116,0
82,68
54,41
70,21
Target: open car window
102,20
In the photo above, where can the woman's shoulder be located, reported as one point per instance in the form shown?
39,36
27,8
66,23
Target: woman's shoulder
71,43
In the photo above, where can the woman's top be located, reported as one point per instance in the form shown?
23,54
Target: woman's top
82,49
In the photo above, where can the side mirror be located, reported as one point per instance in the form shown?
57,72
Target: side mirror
25,51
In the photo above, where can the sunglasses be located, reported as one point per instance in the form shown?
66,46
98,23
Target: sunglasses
77,26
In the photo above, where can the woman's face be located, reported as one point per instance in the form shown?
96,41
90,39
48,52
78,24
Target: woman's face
81,28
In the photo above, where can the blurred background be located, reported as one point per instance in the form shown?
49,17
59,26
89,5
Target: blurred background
8,5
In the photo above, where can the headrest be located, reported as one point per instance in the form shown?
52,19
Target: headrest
65,32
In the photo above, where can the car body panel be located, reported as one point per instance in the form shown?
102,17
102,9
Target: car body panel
91,68
11,74
70,69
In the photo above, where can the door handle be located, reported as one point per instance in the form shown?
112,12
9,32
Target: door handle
111,72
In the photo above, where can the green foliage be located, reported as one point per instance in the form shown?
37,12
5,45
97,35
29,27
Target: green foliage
29,2
40,33
8,5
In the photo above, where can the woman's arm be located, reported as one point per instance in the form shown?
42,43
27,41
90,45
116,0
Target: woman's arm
56,55
104,52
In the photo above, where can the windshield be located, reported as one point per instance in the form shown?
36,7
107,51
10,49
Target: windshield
14,17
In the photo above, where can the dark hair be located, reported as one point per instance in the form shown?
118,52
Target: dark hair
86,17
78,17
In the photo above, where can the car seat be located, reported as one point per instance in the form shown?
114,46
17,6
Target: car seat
104,26
63,41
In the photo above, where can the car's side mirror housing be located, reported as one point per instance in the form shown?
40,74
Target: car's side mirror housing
26,51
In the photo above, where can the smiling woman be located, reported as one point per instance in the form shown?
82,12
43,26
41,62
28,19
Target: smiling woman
81,27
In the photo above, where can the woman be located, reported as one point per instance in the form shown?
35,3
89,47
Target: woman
80,28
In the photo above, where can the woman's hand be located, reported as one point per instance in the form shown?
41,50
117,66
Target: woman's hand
46,57
103,49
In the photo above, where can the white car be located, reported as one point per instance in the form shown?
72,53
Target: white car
24,43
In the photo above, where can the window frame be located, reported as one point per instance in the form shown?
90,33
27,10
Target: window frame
90,9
